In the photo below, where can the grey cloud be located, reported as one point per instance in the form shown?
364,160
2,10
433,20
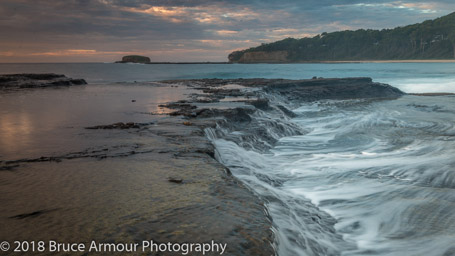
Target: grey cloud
44,25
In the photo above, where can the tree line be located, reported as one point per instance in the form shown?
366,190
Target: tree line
431,39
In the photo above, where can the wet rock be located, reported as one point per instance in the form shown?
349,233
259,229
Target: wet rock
260,103
8,167
207,100
20,81
175,180
223,92
119,125
31,214
286,111
233,115
333,88
303,90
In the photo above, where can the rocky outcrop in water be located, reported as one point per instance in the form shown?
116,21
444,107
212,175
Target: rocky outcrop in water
300,90
333,88
134,59
19,81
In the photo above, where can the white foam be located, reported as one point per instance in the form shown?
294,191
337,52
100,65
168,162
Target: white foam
424,85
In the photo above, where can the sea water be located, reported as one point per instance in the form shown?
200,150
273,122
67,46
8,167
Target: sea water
365,178
384,170
410,77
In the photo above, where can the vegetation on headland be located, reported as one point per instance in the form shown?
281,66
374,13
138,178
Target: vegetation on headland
135,59
431,39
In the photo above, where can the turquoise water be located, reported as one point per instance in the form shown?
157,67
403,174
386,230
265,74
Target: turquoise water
410,77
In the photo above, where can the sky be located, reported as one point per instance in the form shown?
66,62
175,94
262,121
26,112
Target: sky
184,30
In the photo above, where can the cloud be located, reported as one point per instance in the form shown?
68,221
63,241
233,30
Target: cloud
69,52
198,29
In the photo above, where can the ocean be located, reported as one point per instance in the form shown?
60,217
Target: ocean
409,77
363,177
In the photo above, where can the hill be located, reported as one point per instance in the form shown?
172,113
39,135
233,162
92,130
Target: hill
431,39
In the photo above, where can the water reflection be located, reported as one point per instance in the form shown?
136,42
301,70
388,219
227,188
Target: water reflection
50,121
12,127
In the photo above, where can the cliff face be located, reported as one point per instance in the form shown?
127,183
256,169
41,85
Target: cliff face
261,57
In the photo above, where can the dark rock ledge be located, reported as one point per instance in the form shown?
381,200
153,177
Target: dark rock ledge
20,81
290,91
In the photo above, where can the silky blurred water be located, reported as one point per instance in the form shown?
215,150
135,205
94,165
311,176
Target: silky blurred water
384,170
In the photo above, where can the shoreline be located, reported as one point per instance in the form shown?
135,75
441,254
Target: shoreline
192,197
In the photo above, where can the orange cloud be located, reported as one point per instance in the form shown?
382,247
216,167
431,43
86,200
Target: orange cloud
226,32
68,52
209,14
7,54
172,14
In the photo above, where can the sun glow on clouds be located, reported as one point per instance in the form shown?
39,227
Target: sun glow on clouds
9,53
176,30
173,14
79,52
226,32
173,52
68,52
205,14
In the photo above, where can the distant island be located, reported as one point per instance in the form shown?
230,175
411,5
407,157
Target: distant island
429,40
134,59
